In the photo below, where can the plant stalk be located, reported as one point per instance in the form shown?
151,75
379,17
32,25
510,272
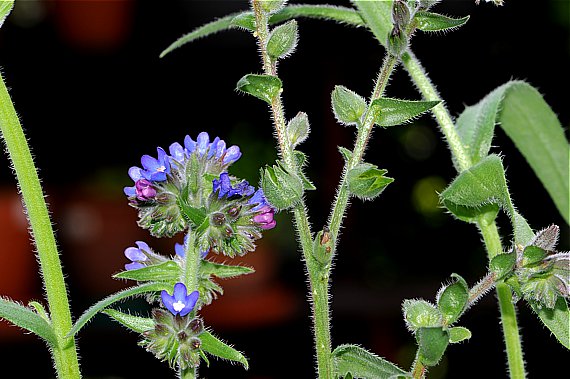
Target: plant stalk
487,229
189,373
65,353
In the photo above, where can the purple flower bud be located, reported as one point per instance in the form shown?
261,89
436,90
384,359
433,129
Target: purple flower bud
189,144
144,190
265,218
203,142
180,302
232,155
213,147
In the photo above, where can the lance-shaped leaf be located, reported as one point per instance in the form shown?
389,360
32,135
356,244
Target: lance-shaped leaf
391,112
346,154
478,190
421,314
434,22
214,346
168,272
348,106
27,319
5,9
298,129
432,344
366,181
361,363
458,334
534,128
378,17
556,320
452,299
224,271
283,40
135,323
264,87
106,302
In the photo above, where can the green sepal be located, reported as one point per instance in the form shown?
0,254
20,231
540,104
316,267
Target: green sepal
5,9
366,181
168,272
458,334
397,41
513,282
392,112
223,271
400,13
40,310
27,319
502,265
197,216
135,323
283,40
533,255
348,106
359,363
323,246
244,21
214,346
432,344
555,319
298,129
434,22
346,154
264,87
421,314
106,302
301,161
452,299
281,188
482,189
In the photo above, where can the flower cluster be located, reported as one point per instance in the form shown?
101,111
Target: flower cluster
542,273
189,187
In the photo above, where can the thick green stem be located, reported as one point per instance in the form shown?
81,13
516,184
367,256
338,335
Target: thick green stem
65,353
192,266
364,132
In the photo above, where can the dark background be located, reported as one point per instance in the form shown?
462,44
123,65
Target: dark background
93,97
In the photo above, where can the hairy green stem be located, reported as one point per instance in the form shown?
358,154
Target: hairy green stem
192,266
65,353
418,368
364,132
189,373
487,229
318,282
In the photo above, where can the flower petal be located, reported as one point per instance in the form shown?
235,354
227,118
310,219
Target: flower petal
135,255
177,152
149,163
232,155
135,173
203,141
179,249
134,266
168,301
213,147
130,191
189,144
180,292
143,246
190,303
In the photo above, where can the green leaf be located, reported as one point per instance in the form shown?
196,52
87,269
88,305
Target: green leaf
502,265
281,188
533,127
102,304
168,272
27,319
195,215
348,106
421,314
478,190
523,232
346,154
223,271
283,40
298,129
361,363
452,299
458,334
247,21
532,255
135,323
40,310
366,181
5,9
432,344
556,320
216,347
391,112
433,22
264,87
301,160
377,14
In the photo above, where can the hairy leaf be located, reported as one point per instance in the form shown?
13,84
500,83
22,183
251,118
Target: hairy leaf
224,271
168,271
556,320
264,87
27,319
458,334
502,264
421,314
432,344
216,347
366,181
434,22
378,17
102,304
283,40
391,112
452,299
135,323
361,363
348,106
5,9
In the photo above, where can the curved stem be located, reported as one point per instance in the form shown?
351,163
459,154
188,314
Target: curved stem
65,353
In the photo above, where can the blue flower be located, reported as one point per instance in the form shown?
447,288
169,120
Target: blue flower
177,152
181,252
180,302
259,199
156,169
224,187
232,155
137,256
